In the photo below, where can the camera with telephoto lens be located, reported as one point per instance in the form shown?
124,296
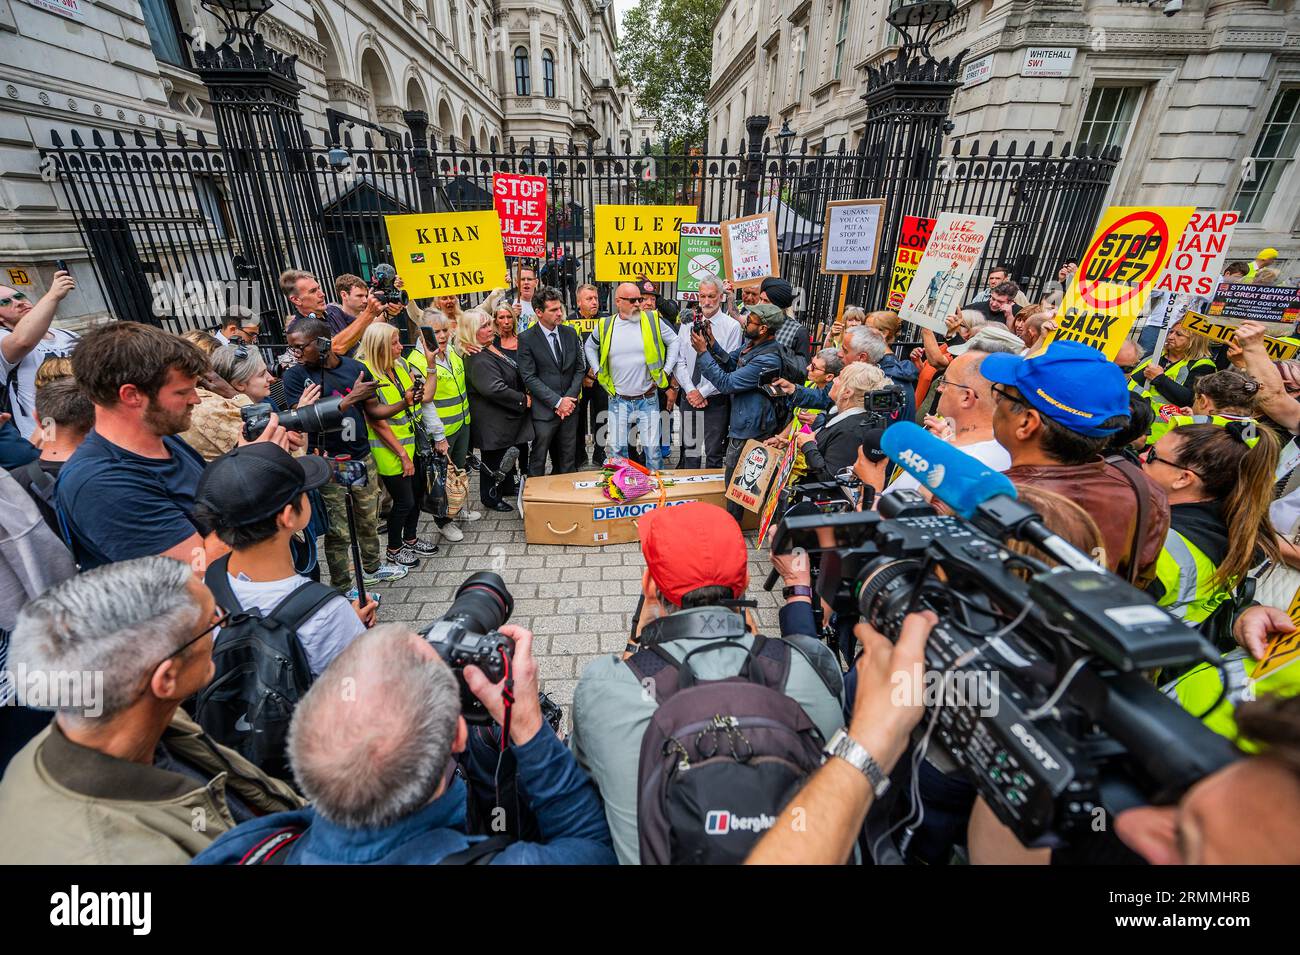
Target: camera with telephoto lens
383,287
315,418
468,634
1038,686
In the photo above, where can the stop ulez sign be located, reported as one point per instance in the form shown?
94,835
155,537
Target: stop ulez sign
1126,256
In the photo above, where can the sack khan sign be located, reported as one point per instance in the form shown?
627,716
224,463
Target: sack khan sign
1048,61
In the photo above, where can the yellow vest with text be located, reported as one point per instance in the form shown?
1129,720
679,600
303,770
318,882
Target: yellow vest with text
450,397
652,339
1161,427
390,392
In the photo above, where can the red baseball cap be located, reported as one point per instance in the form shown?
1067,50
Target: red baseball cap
689,546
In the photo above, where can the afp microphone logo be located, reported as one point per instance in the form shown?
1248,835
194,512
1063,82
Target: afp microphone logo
919,466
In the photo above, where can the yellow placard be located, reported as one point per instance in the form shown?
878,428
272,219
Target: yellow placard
447,253
1126,257
583,326
639,240
19,277
1226,331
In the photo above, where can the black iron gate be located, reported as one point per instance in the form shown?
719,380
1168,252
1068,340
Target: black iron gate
166,210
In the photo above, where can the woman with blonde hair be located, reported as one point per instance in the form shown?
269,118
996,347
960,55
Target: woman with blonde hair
834,446
853,317
394,446
465,331
506,326
446,408
1172,380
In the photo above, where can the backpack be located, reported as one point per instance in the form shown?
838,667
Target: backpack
262,672
720,758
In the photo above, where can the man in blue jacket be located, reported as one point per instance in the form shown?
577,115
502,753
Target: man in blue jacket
753,413
372,746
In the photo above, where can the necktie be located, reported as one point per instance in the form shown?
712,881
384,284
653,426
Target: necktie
555,346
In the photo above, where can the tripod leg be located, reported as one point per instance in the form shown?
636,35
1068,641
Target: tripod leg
356,549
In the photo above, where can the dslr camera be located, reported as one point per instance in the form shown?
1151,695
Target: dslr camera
1057,718
314,419
468,634
383,287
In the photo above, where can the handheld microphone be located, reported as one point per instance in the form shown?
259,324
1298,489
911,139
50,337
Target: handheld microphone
973,490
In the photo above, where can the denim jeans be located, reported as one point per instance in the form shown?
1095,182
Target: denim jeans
642,412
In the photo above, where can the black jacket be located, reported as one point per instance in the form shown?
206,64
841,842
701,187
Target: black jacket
497,403
545,380
835,446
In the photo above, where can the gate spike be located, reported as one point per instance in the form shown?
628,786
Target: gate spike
95,138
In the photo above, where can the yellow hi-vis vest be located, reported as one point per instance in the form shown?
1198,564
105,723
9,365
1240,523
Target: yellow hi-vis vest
1187,575
450,397
390,392
652,339
1177,371
1162,426
1248,679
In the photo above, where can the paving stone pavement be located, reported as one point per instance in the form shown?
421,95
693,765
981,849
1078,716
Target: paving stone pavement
578,601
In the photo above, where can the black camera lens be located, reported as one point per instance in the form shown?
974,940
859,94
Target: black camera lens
482,603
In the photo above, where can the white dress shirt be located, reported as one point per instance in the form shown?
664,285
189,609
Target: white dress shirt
727,332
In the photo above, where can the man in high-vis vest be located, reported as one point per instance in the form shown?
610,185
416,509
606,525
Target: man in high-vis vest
630,354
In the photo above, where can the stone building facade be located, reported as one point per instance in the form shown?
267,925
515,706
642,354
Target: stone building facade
1205,103
478,68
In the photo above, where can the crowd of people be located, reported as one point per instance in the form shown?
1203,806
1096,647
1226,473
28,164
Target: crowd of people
162,492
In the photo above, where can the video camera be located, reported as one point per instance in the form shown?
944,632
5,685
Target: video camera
383,287
315,418
884,405
1065,722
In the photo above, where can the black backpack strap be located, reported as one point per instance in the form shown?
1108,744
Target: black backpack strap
480,853
294,610
216,580
270,851
656,665
767,663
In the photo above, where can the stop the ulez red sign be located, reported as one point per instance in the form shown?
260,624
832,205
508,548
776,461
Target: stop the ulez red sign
521,205
1131,254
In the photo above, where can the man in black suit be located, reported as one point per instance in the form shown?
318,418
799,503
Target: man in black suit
552,366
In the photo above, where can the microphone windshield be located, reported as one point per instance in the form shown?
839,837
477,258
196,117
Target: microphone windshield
950,474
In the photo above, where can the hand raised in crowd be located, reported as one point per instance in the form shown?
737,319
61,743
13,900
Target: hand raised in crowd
696,400
310,395
366,614
62,284
1236,357
807,418
891,687
1249,336
952,321
526,719
699,342
940,427
276,433
518,309
216,384
1257,626
918,356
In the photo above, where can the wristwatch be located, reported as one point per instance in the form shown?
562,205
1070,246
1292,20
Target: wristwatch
796,590
851,751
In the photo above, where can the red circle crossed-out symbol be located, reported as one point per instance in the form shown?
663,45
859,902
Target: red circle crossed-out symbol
1088,287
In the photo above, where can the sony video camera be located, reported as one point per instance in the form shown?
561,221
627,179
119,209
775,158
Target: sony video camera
1041,685
467,634
313,419
383,285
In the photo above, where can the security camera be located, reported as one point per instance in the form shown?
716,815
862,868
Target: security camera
1172,7
338,158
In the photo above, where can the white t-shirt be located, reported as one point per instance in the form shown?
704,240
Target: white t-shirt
989,453
627,355
323,635
24,395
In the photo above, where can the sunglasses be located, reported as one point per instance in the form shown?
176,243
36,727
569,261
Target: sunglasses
16,297
1153,458
624,298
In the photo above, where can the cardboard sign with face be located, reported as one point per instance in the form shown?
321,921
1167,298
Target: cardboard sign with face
754,465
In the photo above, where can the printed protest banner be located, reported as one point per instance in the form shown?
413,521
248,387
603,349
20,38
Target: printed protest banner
779,481
1196,266
699,256
753,476
638,240
1225,330
851,236
749,249
1254,303
1125,257
913,236
447,253
944,271
521,205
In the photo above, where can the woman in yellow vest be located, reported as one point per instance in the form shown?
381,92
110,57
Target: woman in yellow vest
446,406
1170,380
1217,478
1218,398
380,351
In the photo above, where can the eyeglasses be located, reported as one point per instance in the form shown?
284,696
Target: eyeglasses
222,618
296,349
1001,394
944,383
16,297
1153,458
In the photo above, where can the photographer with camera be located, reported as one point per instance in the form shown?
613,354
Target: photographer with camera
26,341
696,568
1054,413
834,446
860,344
128,490
344,393
710,409
404,803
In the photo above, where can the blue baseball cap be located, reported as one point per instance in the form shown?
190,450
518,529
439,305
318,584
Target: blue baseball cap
1070,383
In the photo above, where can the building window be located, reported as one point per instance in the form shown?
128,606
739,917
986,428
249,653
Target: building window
523,84
803,63
841,37
892,36
1109,116
548,74
1274,152
452,26
165,34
